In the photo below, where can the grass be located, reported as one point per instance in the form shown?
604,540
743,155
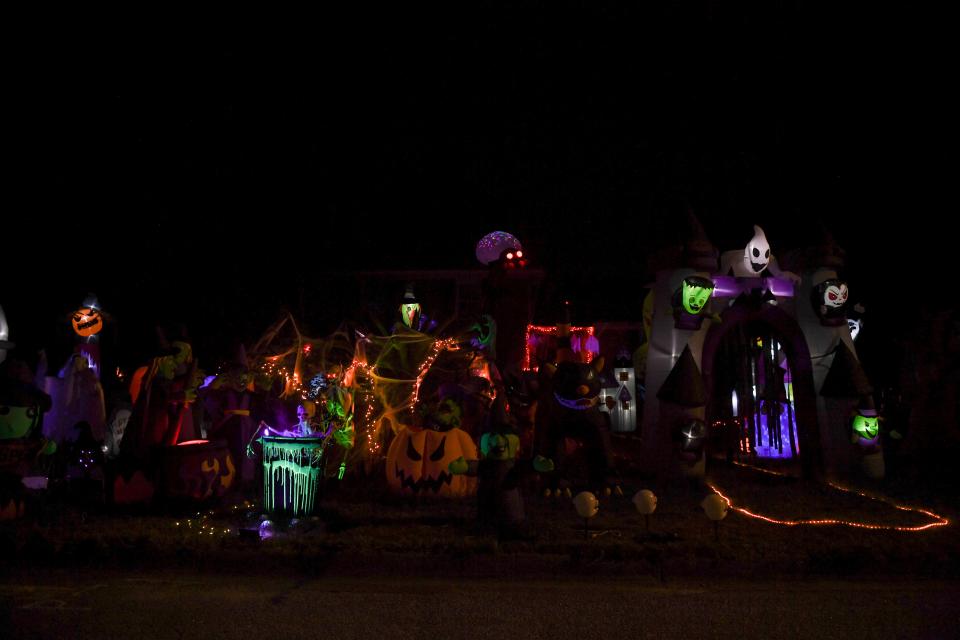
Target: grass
361,530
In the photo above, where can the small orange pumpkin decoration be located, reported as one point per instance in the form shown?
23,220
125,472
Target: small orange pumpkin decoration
418,460
87,322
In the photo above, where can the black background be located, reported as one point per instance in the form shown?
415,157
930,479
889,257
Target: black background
213,176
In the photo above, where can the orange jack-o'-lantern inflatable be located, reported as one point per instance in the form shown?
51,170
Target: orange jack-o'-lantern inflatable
87,322
417,462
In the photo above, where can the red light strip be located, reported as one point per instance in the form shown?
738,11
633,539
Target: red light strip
549,331
941,521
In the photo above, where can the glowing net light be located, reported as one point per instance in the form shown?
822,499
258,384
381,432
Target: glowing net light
940,520
448,344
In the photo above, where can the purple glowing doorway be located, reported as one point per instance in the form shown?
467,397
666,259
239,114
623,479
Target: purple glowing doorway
756,335
771,413
754,393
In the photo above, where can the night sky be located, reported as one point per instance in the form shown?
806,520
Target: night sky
214,179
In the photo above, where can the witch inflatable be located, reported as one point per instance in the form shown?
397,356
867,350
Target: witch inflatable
500,506
21,441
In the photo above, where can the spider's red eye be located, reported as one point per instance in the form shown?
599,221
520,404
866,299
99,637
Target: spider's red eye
509,256
519,254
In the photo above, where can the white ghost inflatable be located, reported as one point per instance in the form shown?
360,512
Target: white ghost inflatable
4,333
754,260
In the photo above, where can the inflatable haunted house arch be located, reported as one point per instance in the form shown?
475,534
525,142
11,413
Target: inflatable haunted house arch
749,362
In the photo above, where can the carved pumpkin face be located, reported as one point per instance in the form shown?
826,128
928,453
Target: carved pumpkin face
418,461
87,322
197,470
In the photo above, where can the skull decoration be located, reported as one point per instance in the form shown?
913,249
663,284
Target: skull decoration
756,255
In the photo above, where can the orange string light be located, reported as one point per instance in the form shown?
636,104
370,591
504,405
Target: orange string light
940,520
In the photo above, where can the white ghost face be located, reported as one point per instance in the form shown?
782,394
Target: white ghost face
854,326
836,296
756,256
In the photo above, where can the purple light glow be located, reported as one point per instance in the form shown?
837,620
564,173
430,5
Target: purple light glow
493,244
730,287
764,447
780,287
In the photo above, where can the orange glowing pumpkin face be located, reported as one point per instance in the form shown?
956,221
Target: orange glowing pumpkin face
87,322
418,461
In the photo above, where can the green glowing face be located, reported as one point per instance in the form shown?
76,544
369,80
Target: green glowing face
335,408
867,427
409,312
497,446
15,422
696,294
446,416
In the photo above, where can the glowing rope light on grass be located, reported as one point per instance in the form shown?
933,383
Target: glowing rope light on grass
941,521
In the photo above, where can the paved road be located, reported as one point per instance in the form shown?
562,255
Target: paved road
195,605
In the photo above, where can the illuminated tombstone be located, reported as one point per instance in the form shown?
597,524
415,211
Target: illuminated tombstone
623,398
829,299
690,301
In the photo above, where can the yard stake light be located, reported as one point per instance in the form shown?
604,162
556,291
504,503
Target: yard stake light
716,509
587,506
646,503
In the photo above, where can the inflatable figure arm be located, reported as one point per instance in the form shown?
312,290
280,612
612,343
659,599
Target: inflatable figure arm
774,268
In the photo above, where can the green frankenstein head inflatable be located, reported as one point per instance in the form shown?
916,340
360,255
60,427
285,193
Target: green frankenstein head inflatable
696,292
